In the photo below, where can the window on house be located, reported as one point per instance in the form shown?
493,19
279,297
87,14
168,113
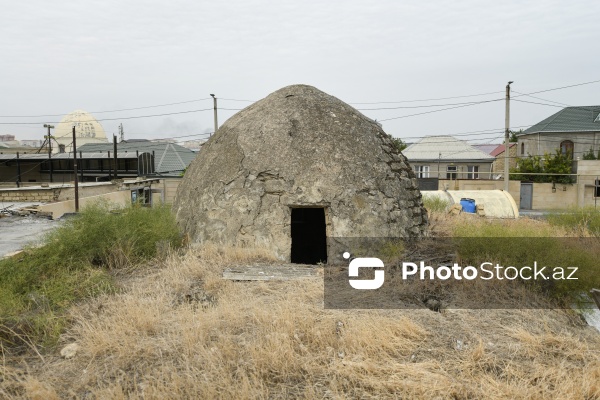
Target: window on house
61,148
451,172
566,147
473,172
522,148
422,171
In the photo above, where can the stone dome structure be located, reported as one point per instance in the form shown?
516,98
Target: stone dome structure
87,130
293,170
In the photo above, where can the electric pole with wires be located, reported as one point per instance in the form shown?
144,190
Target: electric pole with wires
506,136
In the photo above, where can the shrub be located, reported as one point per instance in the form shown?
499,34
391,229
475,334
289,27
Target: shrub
585,219
556,163
520,243
73,263
589,155
435,204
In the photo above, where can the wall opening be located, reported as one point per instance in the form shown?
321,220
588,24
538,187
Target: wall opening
309,237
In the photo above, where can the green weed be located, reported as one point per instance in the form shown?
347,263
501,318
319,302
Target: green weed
523,242
72,263
435,204
579,219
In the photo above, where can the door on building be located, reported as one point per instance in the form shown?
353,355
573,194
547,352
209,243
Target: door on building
309,238
526,196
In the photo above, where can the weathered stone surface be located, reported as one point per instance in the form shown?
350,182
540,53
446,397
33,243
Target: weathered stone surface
298,147
70,350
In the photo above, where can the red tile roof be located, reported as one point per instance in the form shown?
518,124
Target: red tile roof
500,149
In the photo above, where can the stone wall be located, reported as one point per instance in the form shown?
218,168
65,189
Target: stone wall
114,199
26,194
498,165
589,170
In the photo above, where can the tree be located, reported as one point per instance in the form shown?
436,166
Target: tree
398,143
558,163
589,155
513,135
532,164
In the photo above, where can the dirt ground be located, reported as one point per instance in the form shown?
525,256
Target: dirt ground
178,330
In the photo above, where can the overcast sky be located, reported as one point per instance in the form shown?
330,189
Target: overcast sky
105,55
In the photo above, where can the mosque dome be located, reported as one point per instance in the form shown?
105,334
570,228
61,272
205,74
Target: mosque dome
86,126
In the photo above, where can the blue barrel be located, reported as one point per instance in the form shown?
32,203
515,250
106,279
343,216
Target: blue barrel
468,205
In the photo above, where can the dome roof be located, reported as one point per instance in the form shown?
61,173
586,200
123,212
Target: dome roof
86,126
298,147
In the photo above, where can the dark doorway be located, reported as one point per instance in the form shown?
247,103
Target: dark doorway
309,238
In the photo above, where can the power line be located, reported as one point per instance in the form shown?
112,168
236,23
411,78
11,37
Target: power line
539,98
443,109
172,137
453,106
563,87
424,106
442,139
108,111
535,102
487,101
113,119
586,109
416,101
493,130
250,101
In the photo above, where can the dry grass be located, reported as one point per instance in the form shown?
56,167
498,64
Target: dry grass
182,332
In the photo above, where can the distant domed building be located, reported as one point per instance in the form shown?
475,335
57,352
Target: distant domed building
87,130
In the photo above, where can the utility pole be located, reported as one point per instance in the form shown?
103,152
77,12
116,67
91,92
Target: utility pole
49,137
18,171
75,171
116,162
121,133
506,136
215,111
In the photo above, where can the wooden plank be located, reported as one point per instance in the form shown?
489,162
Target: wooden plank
269,272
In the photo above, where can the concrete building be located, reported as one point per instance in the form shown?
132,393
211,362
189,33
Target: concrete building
573,130
445,157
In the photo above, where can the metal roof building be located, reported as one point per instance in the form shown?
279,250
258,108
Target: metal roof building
569,119
572,130
98,166
444,148
169,159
